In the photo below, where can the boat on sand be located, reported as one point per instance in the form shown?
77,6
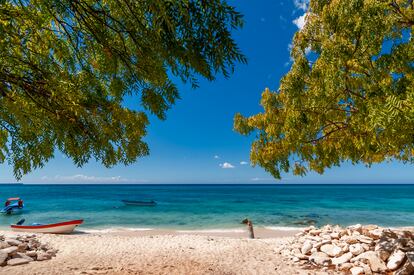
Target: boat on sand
65,227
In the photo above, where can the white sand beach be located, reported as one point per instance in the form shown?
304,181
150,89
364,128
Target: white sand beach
163,252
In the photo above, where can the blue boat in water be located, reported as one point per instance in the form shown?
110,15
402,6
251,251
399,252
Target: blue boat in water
12,205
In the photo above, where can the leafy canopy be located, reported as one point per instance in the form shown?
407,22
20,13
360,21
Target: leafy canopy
67,65
349,94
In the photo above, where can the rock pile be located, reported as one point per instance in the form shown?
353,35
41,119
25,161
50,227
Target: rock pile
19,250
355,250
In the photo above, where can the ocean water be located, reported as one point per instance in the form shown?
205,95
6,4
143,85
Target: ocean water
189,207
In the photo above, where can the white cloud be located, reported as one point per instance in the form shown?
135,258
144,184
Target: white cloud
80,178
262,179
300,21
243,163
216,157
301,4
226,165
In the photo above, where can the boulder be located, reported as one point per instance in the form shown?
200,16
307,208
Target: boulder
377,265
3,257
31,254
42,256
356,227
13,242
365,239
23,256
375,233
357,270
356,249
306,247
331,250
320,258
395,260
4,244
408,267
22,247
17,261
9,250
342,259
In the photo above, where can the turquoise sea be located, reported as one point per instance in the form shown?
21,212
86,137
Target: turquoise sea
214,206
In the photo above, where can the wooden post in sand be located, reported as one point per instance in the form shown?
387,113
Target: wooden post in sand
249,227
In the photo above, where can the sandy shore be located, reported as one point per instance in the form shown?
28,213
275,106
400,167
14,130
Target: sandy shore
163,252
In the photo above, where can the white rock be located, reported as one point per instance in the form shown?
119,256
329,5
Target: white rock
356,249
356,227
306,247
375,233
365,239
3,257
320,258
331,250
12,242
342,259
17,261
357,270
315,232
31,253
395,260
9,250
23,256
334,235
377,265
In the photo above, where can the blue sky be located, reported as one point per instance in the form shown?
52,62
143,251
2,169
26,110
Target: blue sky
196,144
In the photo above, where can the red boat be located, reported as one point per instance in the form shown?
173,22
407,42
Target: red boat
54,228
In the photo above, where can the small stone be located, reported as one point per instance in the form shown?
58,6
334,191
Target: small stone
22,247
315,232
23,256
4,244
356,227
375,233
367,269
377,265
17,261
334,235
344,266
12,242
320,258
395,260
42,256
3,257
331,250
342,259
356,249
365,239
9,250
357,270
295,259
306,248
31,254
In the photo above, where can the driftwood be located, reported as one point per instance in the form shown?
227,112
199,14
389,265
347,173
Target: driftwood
249,227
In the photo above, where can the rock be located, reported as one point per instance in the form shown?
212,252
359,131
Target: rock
344,266
365,239
4,244
306,247
377,265
315,232
356,227
301,257
342,259
53,252
42,256
331,250
408,267
3,257
395,260
31,254
23,256
319,244
12,242
9,250
375,233
335,235
367,269
295,259
356,249
320,258
22,247
17,261
357,270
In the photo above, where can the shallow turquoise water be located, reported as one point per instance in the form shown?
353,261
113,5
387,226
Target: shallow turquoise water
214,206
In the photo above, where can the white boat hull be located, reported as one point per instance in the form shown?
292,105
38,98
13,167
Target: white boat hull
59,228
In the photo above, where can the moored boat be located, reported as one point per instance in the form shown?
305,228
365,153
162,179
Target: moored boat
54,228
12,205
140,203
